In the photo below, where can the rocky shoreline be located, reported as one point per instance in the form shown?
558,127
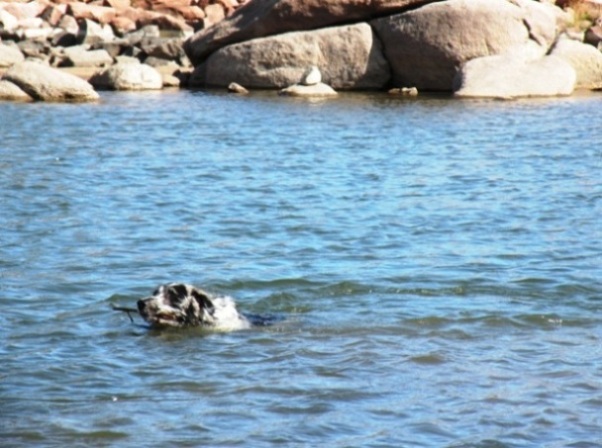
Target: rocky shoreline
471,48
113,44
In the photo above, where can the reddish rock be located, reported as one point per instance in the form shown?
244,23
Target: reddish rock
123,25
23,11
214,14
143,17
100,14
192,14
118,5
168,22
53,14
200,3
180,9
162,6
139,16
227,5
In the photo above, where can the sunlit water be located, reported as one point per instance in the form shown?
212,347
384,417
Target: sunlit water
432,267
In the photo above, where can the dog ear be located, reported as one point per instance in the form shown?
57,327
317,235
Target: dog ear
203,301
176,294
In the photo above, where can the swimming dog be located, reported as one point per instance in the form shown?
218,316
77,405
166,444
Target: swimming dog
183,305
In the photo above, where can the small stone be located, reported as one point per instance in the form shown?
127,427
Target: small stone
316,90
404,91
237,88
311,77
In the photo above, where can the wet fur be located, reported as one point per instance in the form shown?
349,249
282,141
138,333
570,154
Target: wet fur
182,305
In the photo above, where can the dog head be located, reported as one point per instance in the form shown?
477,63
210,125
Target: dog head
177,305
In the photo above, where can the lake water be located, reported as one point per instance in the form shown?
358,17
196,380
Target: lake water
433,267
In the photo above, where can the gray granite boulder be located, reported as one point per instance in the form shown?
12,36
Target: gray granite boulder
270,17
127,77
585,59
348,57
45,83
427,46
510,76
80,56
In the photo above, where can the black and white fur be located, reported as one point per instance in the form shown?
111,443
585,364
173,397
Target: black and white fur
182,305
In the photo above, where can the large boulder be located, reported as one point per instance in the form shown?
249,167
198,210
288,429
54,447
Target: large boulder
128,77
426,46
510,76
585,59
45,83
349,57
269,17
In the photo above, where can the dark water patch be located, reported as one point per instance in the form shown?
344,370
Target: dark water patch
429,359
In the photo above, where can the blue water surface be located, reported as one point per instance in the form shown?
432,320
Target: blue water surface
433,266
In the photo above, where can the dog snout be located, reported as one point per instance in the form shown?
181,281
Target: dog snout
142,307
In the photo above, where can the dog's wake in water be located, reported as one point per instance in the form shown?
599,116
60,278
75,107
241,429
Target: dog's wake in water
182,305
